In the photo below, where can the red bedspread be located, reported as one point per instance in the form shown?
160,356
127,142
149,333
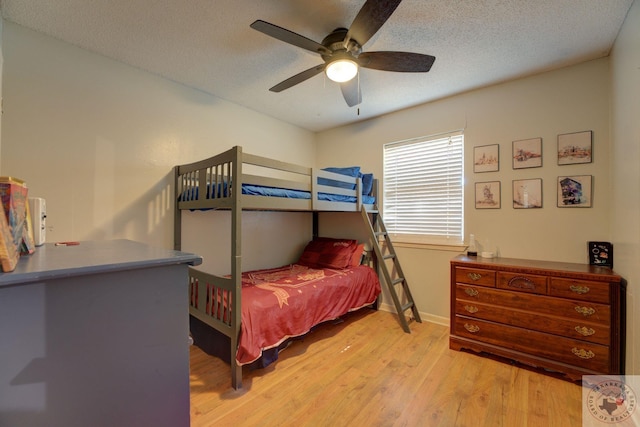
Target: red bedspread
286,302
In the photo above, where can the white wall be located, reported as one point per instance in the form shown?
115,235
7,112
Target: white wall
625,200
98,139
264,235
569,100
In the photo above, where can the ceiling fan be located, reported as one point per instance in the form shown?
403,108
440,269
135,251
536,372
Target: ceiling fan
342,52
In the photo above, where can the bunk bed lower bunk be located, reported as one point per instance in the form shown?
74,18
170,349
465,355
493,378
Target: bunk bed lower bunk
252,314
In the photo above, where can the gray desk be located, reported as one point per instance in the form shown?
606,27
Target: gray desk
95,335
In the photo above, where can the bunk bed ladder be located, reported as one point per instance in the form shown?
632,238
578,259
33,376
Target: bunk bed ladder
386,256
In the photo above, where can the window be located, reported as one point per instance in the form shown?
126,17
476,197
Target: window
423,189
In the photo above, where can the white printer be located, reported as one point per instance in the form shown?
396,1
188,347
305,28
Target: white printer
38,209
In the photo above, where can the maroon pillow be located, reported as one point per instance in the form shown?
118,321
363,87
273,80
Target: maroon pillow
325,252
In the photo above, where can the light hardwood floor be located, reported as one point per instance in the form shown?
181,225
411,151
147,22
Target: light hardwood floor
366,371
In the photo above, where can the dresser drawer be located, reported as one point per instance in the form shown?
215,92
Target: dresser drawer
541,304
522,282
589,356
579,289
570,328
476,276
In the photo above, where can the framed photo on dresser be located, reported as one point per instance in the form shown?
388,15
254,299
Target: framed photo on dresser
601,254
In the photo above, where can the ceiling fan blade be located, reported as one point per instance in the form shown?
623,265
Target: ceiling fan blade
298,78
351,92
289,37
397,61
371,17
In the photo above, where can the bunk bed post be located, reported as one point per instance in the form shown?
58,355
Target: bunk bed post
236,262
177,212
359,194
315,230
314,189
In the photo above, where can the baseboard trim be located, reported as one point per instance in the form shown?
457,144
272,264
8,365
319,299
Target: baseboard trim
426,317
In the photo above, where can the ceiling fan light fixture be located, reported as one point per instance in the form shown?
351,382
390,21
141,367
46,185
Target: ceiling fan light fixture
341,70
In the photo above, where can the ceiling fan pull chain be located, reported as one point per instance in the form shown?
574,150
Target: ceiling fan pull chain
359,93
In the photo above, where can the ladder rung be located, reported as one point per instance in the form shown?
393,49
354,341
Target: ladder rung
389,256
380,233
407,306
398,280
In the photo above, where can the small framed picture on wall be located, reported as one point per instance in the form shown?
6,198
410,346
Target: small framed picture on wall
527,193
575,148
574,191
527,153
488,195
486,158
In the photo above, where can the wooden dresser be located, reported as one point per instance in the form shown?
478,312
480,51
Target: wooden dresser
563,317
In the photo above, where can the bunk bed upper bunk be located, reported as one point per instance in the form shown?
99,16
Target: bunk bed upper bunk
268,184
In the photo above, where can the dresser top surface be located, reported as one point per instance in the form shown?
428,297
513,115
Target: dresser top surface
541,267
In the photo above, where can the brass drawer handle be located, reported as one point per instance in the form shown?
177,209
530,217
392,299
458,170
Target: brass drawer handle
582,353
471,328
471,292
471,308
474,276
579,289
585,331
585,311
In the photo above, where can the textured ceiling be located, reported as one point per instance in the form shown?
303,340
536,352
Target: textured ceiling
208,45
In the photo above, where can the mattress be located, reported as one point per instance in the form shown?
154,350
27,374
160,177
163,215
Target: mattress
258,190
287,302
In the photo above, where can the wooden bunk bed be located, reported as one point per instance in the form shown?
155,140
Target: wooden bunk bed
237,181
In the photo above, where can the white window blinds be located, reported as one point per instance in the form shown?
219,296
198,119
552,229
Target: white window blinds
423,189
